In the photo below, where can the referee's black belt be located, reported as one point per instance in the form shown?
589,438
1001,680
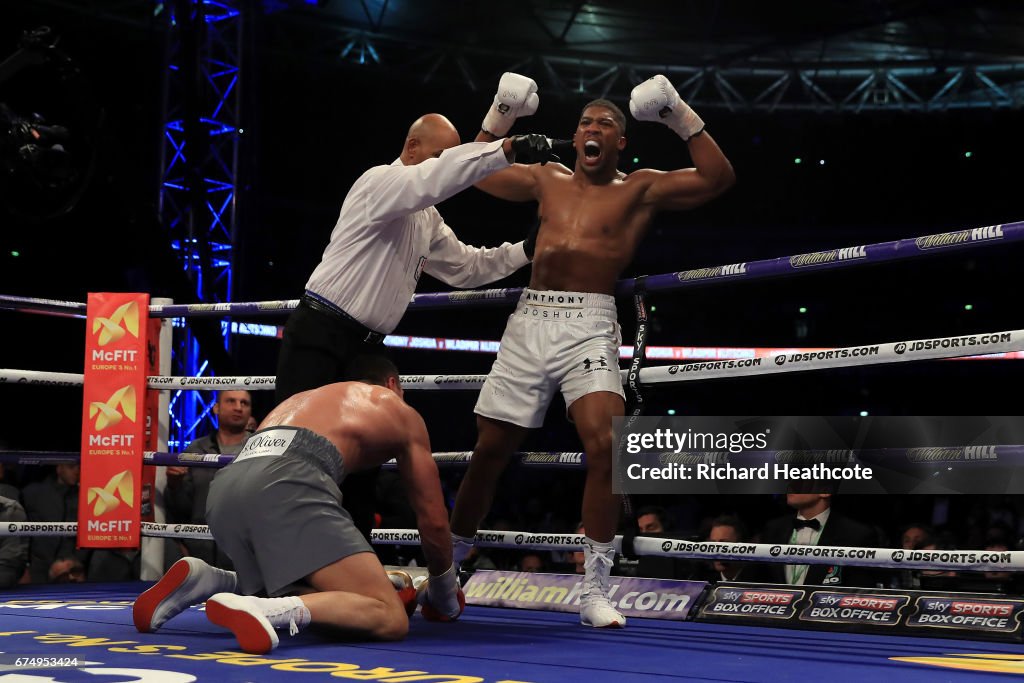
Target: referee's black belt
321,305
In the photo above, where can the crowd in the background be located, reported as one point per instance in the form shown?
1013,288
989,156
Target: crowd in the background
533,502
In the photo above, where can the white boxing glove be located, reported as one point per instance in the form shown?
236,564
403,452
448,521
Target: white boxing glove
657,100
516,96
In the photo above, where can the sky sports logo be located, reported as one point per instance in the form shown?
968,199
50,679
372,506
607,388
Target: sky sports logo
953,342
757,603
854,609
976,615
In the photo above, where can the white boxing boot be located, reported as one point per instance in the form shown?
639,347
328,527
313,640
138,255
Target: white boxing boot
595,607
188,582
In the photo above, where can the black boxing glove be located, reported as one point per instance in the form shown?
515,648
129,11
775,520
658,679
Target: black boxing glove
535,148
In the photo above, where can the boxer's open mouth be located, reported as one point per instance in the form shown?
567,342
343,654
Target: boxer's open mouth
591,150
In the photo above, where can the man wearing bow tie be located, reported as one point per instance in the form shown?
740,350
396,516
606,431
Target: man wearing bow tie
816,523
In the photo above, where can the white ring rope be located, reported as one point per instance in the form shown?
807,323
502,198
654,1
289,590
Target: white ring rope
845,357
888,558
57,379
783,361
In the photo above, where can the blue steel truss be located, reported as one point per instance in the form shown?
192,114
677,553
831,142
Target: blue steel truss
201,232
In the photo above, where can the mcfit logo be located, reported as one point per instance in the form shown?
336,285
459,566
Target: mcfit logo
120,404
105,499
125,319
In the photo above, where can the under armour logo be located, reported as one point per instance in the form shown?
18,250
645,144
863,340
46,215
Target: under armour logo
120,404
124,319
587,362
105,498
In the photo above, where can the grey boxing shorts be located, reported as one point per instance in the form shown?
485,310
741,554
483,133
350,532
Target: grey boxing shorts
276,510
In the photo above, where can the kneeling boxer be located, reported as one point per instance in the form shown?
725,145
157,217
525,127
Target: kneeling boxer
276,511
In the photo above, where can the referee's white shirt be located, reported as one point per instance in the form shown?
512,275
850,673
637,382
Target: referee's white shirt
389,232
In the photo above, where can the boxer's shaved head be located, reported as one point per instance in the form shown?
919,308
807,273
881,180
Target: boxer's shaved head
428,136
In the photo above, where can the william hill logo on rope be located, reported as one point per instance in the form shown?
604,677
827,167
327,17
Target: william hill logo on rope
752,603
952,239
730,270
634,597
818,258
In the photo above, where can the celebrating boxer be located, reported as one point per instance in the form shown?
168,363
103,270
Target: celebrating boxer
276,512
564,334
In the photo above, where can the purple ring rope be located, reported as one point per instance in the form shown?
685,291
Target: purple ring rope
831,259
995,455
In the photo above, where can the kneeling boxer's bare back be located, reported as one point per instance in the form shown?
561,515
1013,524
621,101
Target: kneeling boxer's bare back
276,512
592,219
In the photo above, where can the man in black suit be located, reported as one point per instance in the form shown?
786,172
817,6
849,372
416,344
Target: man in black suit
726,529
815,523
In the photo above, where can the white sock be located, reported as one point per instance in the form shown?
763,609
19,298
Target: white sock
461,547
599,558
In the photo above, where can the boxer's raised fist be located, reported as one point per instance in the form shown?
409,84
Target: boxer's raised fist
657,100
516,97
535,149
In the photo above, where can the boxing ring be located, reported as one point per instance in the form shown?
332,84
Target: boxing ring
486,644
89,626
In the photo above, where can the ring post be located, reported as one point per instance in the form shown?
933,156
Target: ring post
152,564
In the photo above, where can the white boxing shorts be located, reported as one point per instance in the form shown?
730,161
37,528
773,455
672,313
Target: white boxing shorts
554,340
